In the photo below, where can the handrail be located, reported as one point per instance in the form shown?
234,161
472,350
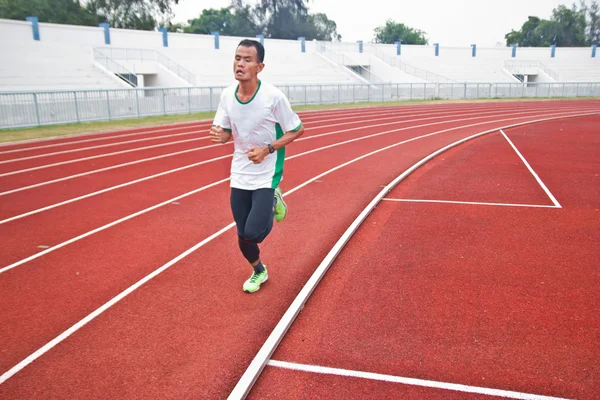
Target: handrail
409,69
516,64
344,61
115,67
131,54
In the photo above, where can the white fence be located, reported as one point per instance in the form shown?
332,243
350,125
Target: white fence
26,109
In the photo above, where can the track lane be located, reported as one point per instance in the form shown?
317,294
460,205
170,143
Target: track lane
350,185
475,296
24,235
24,201
184,312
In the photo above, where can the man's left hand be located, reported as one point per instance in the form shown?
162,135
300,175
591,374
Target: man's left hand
257,154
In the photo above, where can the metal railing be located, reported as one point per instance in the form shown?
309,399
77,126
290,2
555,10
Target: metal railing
116,68
129,54
517,66
407,68
176,68
346,62
25,109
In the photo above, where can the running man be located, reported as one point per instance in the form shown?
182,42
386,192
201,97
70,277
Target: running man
259,118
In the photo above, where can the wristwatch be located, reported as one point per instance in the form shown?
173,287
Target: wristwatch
271,148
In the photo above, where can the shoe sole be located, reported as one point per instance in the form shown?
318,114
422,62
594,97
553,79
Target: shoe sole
249,291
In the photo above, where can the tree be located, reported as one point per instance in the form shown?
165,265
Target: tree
277,19
133,14
566,27
223,21
593,32
54,11
570,26
392,32
322,28
282,19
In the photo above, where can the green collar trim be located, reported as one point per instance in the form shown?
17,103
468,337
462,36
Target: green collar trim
255,93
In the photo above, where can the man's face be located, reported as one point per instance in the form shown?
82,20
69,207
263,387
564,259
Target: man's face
246,66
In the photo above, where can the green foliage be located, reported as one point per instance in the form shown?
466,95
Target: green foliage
278,19
392,32
54,11
566,28
130,14
133,14
223,21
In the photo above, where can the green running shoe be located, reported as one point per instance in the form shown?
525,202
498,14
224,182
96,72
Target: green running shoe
253,284
280,206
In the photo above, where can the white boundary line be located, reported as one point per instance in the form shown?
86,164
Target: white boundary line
154,146
409,381
101,138
467,202
331,111
247,380
205,125
251,374
537,178
44,166
82,236
103,146
218,158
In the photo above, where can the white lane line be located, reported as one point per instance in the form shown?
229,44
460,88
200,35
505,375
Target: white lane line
104,227
166,266
409,381
109,189
38,353
537,178
155,146
345,116
244,385
288,158
184,151
102,138
102,146
468,202
303,138
66,178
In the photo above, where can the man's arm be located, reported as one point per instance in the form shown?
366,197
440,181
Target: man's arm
258,154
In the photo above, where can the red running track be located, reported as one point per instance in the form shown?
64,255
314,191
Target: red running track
481,295
190,331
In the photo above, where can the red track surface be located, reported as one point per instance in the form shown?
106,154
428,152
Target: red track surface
191,332
487,296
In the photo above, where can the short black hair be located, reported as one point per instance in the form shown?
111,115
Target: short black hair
260,50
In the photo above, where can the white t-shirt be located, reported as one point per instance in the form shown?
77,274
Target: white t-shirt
256,123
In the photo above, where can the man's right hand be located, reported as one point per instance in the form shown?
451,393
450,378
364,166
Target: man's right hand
219,135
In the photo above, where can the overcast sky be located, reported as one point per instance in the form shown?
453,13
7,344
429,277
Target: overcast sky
448,22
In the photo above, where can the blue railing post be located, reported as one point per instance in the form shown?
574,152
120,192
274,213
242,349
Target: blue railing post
553,51
261,37
593,51
106,28
360,46
514,50
302,44
437,49
398,47
165,36
473,50
216,35
35,26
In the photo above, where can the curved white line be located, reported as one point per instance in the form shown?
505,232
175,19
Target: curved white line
249,377
288,158
257,364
